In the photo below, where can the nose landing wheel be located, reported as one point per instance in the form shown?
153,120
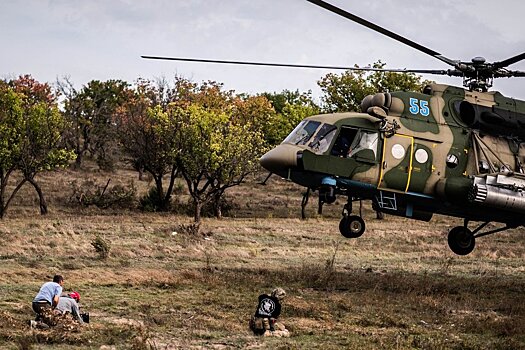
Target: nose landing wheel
352,226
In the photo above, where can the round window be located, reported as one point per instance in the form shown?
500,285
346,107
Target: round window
398,151
421,156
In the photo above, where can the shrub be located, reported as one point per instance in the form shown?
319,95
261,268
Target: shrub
90,193
228,207
101,246
151,202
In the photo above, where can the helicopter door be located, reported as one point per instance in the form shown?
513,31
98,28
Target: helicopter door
396,166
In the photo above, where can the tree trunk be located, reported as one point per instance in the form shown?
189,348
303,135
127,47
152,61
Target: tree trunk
217,207
162,203
78,161
218,210
197,211
4,207
3,183
43,204
173,175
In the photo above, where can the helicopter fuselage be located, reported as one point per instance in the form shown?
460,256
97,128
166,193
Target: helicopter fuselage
415,154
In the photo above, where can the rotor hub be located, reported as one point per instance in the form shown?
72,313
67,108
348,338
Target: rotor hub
478,60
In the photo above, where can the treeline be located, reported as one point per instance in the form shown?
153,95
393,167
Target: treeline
208,136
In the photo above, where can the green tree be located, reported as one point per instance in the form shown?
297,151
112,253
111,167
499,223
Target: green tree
148,136
31,127
291,107
286,97
344,92
217,153
90,112
11,121
221,140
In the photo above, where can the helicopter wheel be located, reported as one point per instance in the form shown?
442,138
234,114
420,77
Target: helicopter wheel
461,240
352,226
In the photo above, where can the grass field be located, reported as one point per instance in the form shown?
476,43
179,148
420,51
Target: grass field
165,287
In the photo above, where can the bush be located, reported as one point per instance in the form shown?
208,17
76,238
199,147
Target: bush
228,207
151,202
101,246
103,196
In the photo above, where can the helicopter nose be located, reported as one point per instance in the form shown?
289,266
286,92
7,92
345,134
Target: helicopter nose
280,159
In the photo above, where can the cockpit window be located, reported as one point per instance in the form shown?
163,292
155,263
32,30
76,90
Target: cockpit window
356,143
323,138
302,132
365,143
344,140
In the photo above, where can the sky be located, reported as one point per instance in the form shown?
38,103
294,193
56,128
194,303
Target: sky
104,39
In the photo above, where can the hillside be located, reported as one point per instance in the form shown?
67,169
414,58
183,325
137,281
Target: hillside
165,287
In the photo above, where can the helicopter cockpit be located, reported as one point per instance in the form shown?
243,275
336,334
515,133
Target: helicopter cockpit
315,135
351,142
356,143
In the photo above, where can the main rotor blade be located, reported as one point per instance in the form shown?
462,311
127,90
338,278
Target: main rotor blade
509,61
246,63
517,73
289,65
382,30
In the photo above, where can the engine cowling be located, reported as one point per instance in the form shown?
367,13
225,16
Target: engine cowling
491,120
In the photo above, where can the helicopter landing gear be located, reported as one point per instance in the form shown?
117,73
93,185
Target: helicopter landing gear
462,240
304,202
351,226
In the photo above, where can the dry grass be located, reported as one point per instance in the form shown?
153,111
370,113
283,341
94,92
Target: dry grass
162,287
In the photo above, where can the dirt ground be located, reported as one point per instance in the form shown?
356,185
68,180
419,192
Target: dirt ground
163,286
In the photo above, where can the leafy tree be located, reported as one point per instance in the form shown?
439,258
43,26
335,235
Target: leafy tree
218,152
147,134
221,140
31,127
91,111
11,121
344,92
291,107
280,100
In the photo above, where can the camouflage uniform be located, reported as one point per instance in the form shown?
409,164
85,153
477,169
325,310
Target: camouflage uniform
264,322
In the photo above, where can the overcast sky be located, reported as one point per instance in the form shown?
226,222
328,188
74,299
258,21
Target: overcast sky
97,39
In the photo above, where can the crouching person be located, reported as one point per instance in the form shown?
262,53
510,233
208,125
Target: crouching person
264,322
46,301
69,304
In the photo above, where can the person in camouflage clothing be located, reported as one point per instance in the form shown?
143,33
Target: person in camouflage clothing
264,321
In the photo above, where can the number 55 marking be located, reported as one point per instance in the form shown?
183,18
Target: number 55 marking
419,107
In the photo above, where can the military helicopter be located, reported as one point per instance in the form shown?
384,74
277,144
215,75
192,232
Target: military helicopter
446,150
